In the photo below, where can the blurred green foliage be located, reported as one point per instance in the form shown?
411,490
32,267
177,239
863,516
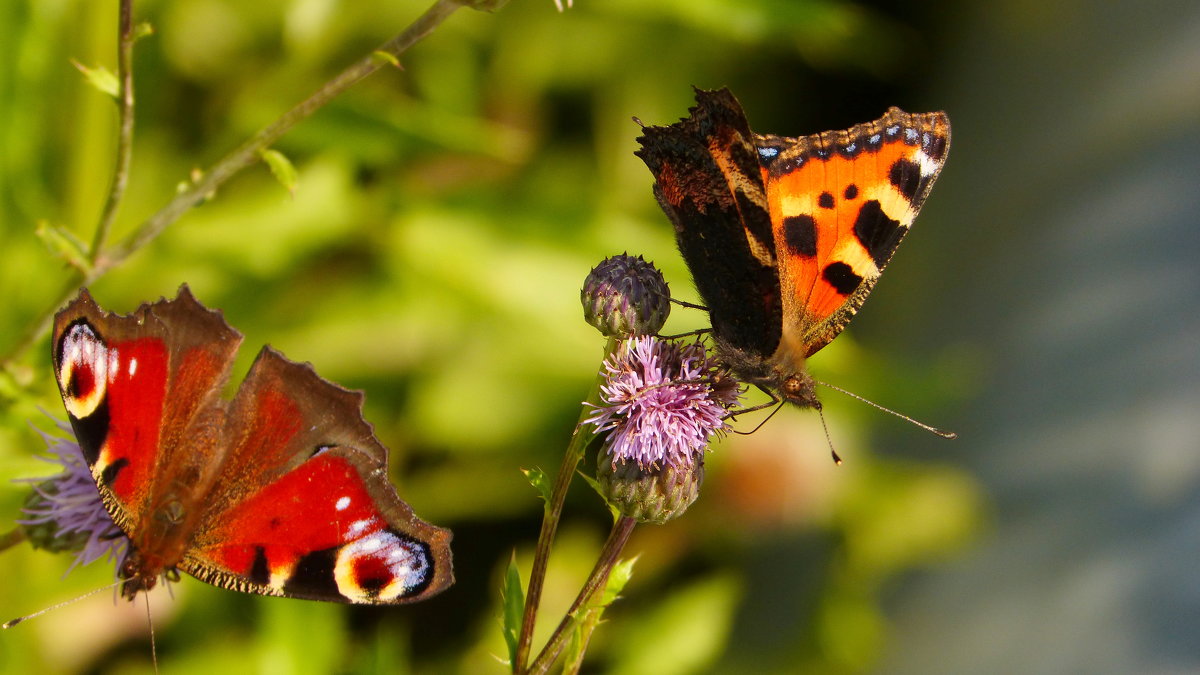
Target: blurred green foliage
443,218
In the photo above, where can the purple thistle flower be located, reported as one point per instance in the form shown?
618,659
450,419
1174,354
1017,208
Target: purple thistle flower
65,512
662,403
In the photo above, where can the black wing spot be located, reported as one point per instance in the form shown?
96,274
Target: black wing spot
92,431
936,148
842,277
851,191
800,235
112,470
825,201
313,576
260,572
906,176
878,233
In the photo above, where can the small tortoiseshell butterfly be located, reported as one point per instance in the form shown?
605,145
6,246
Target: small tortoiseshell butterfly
281,491
786,237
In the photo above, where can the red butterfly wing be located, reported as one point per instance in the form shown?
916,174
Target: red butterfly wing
324,524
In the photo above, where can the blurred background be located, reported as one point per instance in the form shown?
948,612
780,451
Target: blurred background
1045,307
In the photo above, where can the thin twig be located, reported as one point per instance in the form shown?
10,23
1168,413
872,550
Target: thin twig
12,538
583,602
242,157
248,152
120,179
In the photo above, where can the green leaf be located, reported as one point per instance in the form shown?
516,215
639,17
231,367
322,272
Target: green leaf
281,168
513,600
142,30
595,485
620,575
485,5
101,78
65,245
581,635
388,57
539,480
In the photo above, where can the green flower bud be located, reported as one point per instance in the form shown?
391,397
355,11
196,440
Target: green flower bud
653,495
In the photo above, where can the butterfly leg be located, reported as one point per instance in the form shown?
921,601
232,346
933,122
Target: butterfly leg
698,331
689,305
755,408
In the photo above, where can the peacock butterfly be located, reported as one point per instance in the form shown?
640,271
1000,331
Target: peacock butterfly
280,491
786,237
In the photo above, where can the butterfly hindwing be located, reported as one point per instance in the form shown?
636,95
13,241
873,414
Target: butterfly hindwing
345,535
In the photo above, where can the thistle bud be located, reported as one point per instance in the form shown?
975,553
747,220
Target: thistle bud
653,495
625,295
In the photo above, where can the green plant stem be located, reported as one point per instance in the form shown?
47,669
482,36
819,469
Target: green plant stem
124,158
242,157
580,439
584,601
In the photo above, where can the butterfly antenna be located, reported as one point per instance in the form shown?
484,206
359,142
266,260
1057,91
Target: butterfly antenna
153,641
64,603
906,418
837,459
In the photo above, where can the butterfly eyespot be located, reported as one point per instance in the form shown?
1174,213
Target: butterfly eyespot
381,567
83,369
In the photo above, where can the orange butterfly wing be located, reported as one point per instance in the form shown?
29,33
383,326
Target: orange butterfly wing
840,202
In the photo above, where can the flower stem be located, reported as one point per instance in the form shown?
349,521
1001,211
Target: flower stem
580,439
583,602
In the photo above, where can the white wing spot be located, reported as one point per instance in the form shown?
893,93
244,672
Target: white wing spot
929,166
342,504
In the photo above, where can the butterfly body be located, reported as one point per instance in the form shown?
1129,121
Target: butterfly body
280,491
786,237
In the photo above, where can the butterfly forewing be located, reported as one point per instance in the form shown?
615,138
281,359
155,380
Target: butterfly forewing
841,202
132,386
708,182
